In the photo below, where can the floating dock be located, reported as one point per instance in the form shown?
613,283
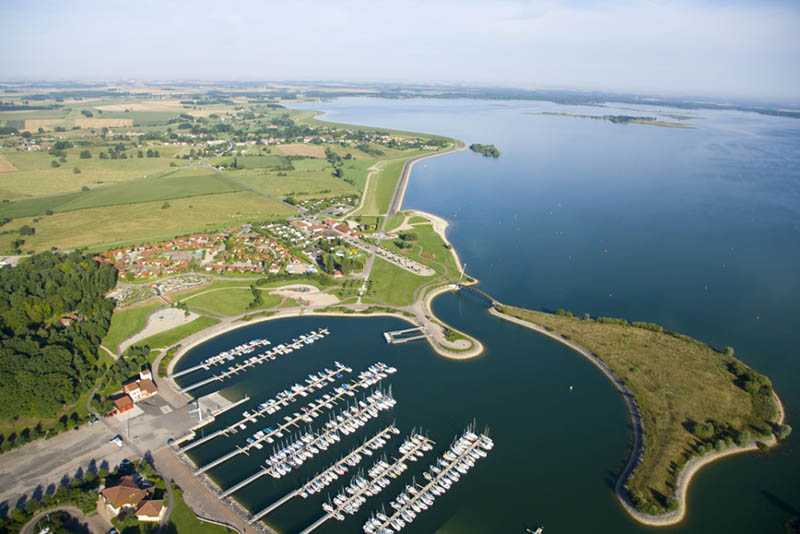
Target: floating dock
222,357
273,405
272,467
284,348
349,390
350,502
457,458
396,335
350,460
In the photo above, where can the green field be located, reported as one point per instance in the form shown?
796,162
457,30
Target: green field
301,185
170,337
181,184
185,520
228,301
676,381
35,176
126,323
145,221
392,285
253,162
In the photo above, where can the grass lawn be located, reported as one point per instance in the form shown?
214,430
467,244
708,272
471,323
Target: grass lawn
170,337
35,175
433,251
229,301
393,285
145,221
126,323
675,380
185,520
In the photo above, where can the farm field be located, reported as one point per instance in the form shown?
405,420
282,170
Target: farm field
143,221
187,182
301,185
35,175
299,149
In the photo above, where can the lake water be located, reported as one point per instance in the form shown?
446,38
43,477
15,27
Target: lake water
695,229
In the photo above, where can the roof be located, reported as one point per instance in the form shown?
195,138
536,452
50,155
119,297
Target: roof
147,386
133,385
150,508
123,495
123,403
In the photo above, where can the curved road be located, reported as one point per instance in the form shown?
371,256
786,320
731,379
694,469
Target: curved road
94,522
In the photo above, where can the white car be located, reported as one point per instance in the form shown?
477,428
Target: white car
116,440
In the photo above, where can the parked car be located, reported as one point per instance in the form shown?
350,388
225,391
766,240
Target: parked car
116,440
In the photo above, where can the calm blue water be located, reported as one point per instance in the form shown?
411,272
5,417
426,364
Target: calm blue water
698,230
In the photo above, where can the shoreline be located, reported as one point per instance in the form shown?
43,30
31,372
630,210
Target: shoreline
405,174
689,470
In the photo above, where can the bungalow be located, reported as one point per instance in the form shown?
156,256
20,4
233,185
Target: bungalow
151,510
140,389
126,496
123,403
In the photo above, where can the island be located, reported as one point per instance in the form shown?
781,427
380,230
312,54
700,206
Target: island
621,119
488,151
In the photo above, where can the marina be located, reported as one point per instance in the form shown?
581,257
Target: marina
309,444
339,468
279,350
228,355
441,476
352,497
313,409
313,382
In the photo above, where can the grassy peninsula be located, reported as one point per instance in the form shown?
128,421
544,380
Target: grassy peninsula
693,399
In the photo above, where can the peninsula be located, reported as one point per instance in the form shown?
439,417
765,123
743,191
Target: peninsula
618,119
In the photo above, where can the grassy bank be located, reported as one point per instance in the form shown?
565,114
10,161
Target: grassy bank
693,398
126,323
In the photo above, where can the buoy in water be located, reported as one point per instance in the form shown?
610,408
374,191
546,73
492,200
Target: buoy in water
570,388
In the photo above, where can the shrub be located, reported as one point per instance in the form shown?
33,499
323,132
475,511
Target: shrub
783,432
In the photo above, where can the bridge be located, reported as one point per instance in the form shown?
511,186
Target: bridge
480,293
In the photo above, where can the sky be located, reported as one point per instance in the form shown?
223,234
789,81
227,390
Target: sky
737,48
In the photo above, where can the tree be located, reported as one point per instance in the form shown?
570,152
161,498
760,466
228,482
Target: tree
165,205
26,230
54,164
743,437
729,352
85,154
85,188
76,170
783,431
703,430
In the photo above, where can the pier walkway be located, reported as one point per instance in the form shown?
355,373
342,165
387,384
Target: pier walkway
393,336
285,348
271,468
421,442
289,422
422,490
494,302
303,391
385,434
219,359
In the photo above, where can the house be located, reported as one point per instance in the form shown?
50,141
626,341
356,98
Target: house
123,404
151,510
140,389
125,496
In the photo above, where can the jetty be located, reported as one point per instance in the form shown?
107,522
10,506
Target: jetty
308,445
268,435
455,462
401,336
350,500
337,469
273,405
282,349
227,355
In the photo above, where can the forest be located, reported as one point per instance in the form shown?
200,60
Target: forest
53,314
